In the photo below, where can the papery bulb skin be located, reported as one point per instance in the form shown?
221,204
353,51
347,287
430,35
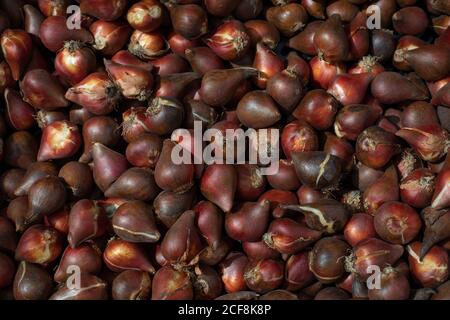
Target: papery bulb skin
285,179
179,44
417,188
131,285
429,62
364,176
297,136
144,151
437,228
19,114
109,36
59,220
268,63
257,110
108,10
264,275
45,197
317,169
125,58
134,184
225,176
278,200
145,16
134,221
182,243
289,237
382,190
419,114
209,221
391,87
410,20
42,90
326,215
87,220
170,176
330,40
394,286
53,7
431,142
431,270
16,47
91,288
108,165
219,86
251,182
285,87
350,89
239,224
46,118
326,259
359,228
263,31
87,257
39,244
259,250
163,115
32,282
207,283
121,255
133,82
405,43
232,270
318,108
170,284
169,205
372,252
442,97
368,64
60,139
97,93
289,18
375,147
101,129
397,222
304,40
189,20
133,125
54,32
230,41
78,178
74,62
323,72
340,148
297,273
203,59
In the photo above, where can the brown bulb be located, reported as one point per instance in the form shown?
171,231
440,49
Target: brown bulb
132,285
134,221
32,282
